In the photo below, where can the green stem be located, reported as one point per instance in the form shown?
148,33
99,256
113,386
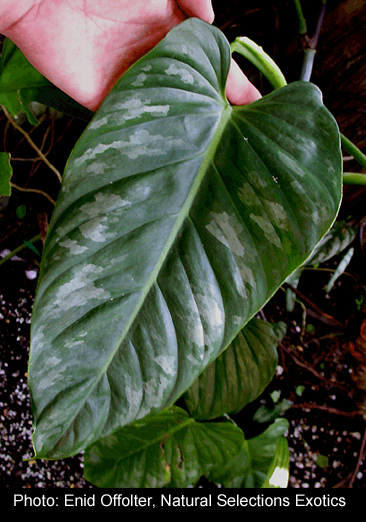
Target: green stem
352,178
18,249
307,65
302,22
309,44
354,151
260,59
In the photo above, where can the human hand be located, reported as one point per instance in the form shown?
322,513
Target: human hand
83,46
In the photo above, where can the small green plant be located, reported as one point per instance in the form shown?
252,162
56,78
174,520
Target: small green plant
322,461
178,218
300,390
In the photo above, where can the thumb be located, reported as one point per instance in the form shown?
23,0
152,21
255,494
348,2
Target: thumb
239,90
198,8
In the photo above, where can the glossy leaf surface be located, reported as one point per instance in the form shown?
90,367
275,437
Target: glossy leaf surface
168,449
179,217
239,375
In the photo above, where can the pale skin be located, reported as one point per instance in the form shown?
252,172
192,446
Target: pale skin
84,46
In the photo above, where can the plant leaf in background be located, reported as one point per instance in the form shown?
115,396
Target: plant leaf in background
165,449
178,218
6,172
255,466
333,243
278,473
339,237
267,414
19,81
340,269
239,375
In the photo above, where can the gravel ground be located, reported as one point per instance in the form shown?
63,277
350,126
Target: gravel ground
306,459
17,469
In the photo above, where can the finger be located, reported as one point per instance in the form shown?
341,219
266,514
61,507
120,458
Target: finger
198,8
239,90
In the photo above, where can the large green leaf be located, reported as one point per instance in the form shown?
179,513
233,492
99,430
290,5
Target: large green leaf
178,218
168,449
239,375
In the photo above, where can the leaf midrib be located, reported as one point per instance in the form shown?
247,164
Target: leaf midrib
158,439
225,118
183,215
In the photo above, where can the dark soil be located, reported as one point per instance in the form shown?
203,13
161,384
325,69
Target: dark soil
322,369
